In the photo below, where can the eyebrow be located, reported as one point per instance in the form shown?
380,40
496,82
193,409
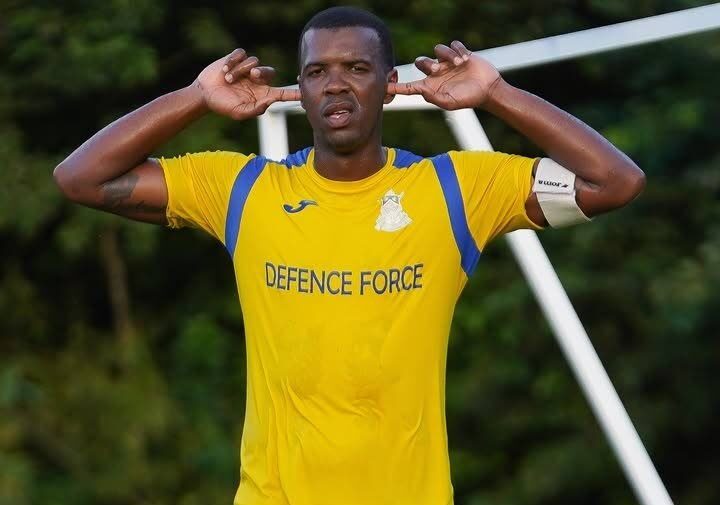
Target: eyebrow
350,62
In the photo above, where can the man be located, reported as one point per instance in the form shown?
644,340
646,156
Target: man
349,256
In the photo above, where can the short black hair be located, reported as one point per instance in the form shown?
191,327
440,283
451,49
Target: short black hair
344,17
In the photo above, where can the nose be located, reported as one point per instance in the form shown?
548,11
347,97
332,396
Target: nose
336,82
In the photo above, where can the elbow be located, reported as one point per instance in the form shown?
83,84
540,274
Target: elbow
629,182
623,184
63,179
66,179
633,183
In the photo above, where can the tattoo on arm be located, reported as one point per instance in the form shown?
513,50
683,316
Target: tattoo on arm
116,194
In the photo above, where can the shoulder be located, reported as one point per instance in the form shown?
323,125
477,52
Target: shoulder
469,159
210,163
487,164
404,158
296,159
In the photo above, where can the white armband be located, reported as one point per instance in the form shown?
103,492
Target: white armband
555,190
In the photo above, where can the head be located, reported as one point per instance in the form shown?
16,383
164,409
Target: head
346,60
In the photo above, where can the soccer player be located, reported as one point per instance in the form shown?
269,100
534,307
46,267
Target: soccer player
349,256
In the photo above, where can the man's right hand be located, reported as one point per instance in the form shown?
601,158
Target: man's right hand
111,170
237,87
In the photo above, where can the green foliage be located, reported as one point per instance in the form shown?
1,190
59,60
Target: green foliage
91,413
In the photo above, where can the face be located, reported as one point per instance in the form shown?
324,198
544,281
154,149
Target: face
343,82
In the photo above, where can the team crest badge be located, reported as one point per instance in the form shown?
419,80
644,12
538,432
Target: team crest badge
392,216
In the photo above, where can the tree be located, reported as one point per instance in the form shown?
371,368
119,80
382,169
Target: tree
121,352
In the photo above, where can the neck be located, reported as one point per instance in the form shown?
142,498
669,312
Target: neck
352,166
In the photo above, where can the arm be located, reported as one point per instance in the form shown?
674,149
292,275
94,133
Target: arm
606,178
111,171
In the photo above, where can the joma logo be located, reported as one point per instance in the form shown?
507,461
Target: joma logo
551,183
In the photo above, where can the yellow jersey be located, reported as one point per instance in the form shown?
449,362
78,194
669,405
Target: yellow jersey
347,291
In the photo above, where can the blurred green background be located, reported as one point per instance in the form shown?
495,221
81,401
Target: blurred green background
122,367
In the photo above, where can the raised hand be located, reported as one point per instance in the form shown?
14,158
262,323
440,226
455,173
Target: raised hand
236,86
458,79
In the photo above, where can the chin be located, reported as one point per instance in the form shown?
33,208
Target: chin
343,142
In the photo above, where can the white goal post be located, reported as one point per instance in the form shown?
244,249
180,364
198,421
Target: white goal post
525,246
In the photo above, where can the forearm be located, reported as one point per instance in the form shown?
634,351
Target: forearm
128,141
608,177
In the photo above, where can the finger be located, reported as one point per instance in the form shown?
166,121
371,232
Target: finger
445,53
424,64
285,94
429,66
234,58
406,88
262,75
242,69
460,48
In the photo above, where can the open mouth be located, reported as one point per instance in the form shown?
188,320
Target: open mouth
338,115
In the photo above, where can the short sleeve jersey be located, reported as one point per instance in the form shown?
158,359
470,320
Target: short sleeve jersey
347,291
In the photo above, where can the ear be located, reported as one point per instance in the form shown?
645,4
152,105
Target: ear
391,77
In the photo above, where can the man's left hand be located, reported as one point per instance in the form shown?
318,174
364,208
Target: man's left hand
458,79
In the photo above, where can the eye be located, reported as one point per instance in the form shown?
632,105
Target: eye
358,68
314,72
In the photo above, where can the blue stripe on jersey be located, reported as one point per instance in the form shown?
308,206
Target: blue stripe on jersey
240,191
403,159
469,252
297,159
